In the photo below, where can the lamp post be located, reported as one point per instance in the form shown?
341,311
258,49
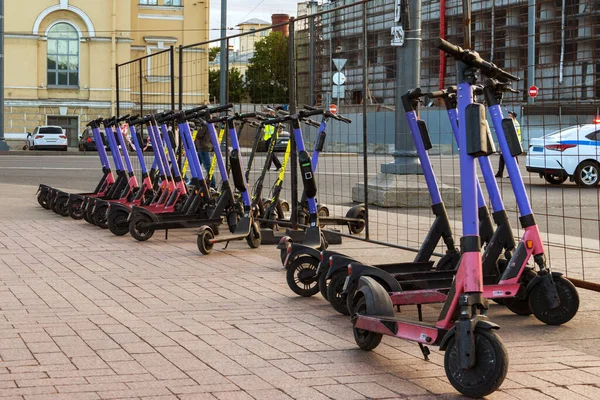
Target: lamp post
3,144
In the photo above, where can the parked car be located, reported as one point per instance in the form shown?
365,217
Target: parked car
87,142
47,137
571,153
280,145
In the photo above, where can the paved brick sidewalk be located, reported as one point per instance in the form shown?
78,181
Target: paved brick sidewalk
86,315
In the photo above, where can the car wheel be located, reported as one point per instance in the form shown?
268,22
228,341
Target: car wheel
587,174
555,179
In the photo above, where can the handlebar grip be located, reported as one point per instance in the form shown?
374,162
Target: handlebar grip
247,115
344,119
436,94
123,118
310,113
194,110
219,108
312,122
447,47
96,121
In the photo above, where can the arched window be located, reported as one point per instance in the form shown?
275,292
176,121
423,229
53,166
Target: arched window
63,55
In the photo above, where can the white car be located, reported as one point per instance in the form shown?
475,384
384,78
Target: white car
571,153
47,137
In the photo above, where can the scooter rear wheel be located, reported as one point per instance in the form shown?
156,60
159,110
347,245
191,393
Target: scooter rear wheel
61,206
100,216
137,231
490,368
520,306
117,222
334,292
254,238
357,227
203,242
87,215
75,210
323,282
569,302
301,276
366,340
42,199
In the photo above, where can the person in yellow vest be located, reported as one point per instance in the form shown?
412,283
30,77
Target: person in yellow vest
513,115
269,131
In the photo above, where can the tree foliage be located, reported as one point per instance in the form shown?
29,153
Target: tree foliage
237,89
212,53
267,77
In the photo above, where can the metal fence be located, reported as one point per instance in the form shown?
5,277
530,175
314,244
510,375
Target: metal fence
348,53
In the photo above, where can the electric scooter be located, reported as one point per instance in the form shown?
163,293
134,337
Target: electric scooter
475,359
103,186
246,227
343,285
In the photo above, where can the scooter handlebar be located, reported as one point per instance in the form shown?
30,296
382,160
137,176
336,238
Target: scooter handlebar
311,122
166,116
473,59
96,122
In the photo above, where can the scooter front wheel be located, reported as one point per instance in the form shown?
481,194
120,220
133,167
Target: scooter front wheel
137,230
42,199
569,302
489,371
100,216
203,242
366,340
323,282
301,276
117,222
334,292
254,238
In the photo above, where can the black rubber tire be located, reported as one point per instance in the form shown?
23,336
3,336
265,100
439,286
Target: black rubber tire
521,306
366,340
555,179
322,211
117,222
334,292
270,215
588,181
489,371
87,216
100,216
357,227
254,237
569,302
323,282
42,199
301,276
135,229
447,263
203,242
61,206
75,210
52,202
232,220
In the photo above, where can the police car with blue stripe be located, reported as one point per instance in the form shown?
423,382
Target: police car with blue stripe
572,153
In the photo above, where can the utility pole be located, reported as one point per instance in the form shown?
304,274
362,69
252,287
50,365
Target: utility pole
3,144
224,51
408,67
530,47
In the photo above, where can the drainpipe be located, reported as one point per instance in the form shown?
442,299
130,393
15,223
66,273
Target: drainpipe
113,40
443,36
493,38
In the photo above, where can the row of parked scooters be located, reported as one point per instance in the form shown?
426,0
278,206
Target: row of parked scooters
163,200
511,274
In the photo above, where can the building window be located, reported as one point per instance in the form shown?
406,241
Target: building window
149,2
174,3
63,55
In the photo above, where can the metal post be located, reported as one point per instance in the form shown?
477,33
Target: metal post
173,124
364,112
408,67
311,60
292,110
466,6
530,47
180,77
141,82
224,51
118,105
3,144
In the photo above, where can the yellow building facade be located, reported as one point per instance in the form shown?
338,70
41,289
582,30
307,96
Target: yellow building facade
60,56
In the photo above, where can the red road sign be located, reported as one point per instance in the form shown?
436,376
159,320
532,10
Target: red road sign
533,91
333,109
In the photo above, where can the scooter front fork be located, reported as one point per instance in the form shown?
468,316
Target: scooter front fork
472,308
545,279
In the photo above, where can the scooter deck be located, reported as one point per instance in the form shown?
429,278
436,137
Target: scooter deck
242,230
180,224
270,236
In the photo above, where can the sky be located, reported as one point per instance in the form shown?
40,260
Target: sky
242,10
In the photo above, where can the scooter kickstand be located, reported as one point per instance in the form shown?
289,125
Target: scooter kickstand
420,311
425,351
226,244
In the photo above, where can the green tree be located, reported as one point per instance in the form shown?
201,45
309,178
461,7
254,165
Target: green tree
212,53
237,89
267,77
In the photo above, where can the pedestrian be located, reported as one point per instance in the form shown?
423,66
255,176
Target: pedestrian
204,147
513,115
269,130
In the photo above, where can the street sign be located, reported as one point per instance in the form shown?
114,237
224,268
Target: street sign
338,92
397,36
339,78
533,92
339,63
333,109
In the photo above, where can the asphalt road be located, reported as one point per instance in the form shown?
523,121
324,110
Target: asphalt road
565,209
